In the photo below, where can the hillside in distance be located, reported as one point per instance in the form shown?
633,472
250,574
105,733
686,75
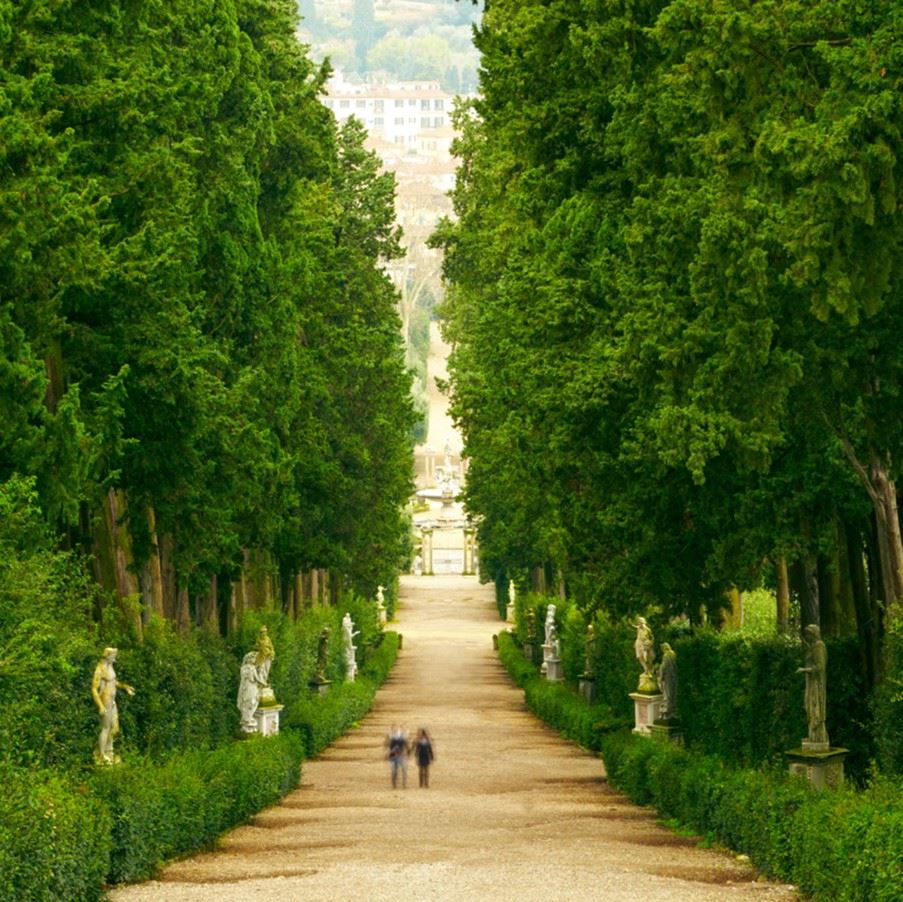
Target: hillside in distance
395,40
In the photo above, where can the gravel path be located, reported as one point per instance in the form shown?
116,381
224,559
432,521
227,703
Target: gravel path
513,811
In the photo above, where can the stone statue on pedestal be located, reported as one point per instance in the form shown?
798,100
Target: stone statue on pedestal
249,692
103,690
667,681
589,652
348,634
265,654
815,700
322,645
644,647
550,625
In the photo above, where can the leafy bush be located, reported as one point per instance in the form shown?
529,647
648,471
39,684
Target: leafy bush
888,704
180,805
557,703
54,838
843,845
319,719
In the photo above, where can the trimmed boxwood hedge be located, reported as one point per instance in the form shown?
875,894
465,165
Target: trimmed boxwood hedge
557,703
844,845
62,836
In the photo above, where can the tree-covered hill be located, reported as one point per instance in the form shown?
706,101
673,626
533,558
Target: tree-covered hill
395,39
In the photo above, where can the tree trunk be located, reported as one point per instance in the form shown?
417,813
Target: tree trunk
168,576
113,561
152,572
890,544
867,616
207,609
783,596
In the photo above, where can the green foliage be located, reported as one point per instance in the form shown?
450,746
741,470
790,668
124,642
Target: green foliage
54,838
840,844
557,703
179,805
320,719
887,706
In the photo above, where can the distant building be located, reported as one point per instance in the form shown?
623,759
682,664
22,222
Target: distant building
398,113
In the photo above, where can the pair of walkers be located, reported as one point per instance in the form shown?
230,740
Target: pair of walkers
399,747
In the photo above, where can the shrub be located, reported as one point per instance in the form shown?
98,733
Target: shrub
557,703
160,810
319,719
54,838
843,845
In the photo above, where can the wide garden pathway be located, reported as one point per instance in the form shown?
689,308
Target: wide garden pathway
514,812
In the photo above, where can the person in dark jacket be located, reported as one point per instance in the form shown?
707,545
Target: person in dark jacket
423,749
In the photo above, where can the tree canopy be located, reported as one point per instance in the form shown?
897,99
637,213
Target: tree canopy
199,345
674,285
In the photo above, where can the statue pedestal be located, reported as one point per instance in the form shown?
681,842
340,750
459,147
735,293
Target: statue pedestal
320,686
820,764
647,709
667,731
528,650
268,719
588,689
554,670
509,612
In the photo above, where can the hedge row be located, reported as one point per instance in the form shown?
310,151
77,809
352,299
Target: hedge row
740,697
843,846
321,719
64,836
557,704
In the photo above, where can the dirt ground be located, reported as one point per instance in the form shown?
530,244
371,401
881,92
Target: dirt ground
513,811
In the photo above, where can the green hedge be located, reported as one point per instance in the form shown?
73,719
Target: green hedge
557,703
740,697
161,810
54,838
320,719
843,845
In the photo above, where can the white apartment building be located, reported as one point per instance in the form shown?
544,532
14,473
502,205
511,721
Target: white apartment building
397,112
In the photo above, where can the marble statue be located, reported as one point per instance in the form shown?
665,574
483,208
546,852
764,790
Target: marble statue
380,597
531,625
380,606
512,591
322,646
550,634
815,670
249,692
265,654
348,634
103,690
644,647
667,681
589,651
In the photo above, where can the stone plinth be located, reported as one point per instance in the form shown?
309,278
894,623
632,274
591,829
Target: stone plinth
588,689
528,650
554,670
820,764
509,612
320,686
647,709
268,719
667,731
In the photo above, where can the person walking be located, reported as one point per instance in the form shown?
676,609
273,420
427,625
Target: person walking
397,743
423,748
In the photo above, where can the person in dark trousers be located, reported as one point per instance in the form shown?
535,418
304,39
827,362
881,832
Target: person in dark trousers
397,744
423,749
